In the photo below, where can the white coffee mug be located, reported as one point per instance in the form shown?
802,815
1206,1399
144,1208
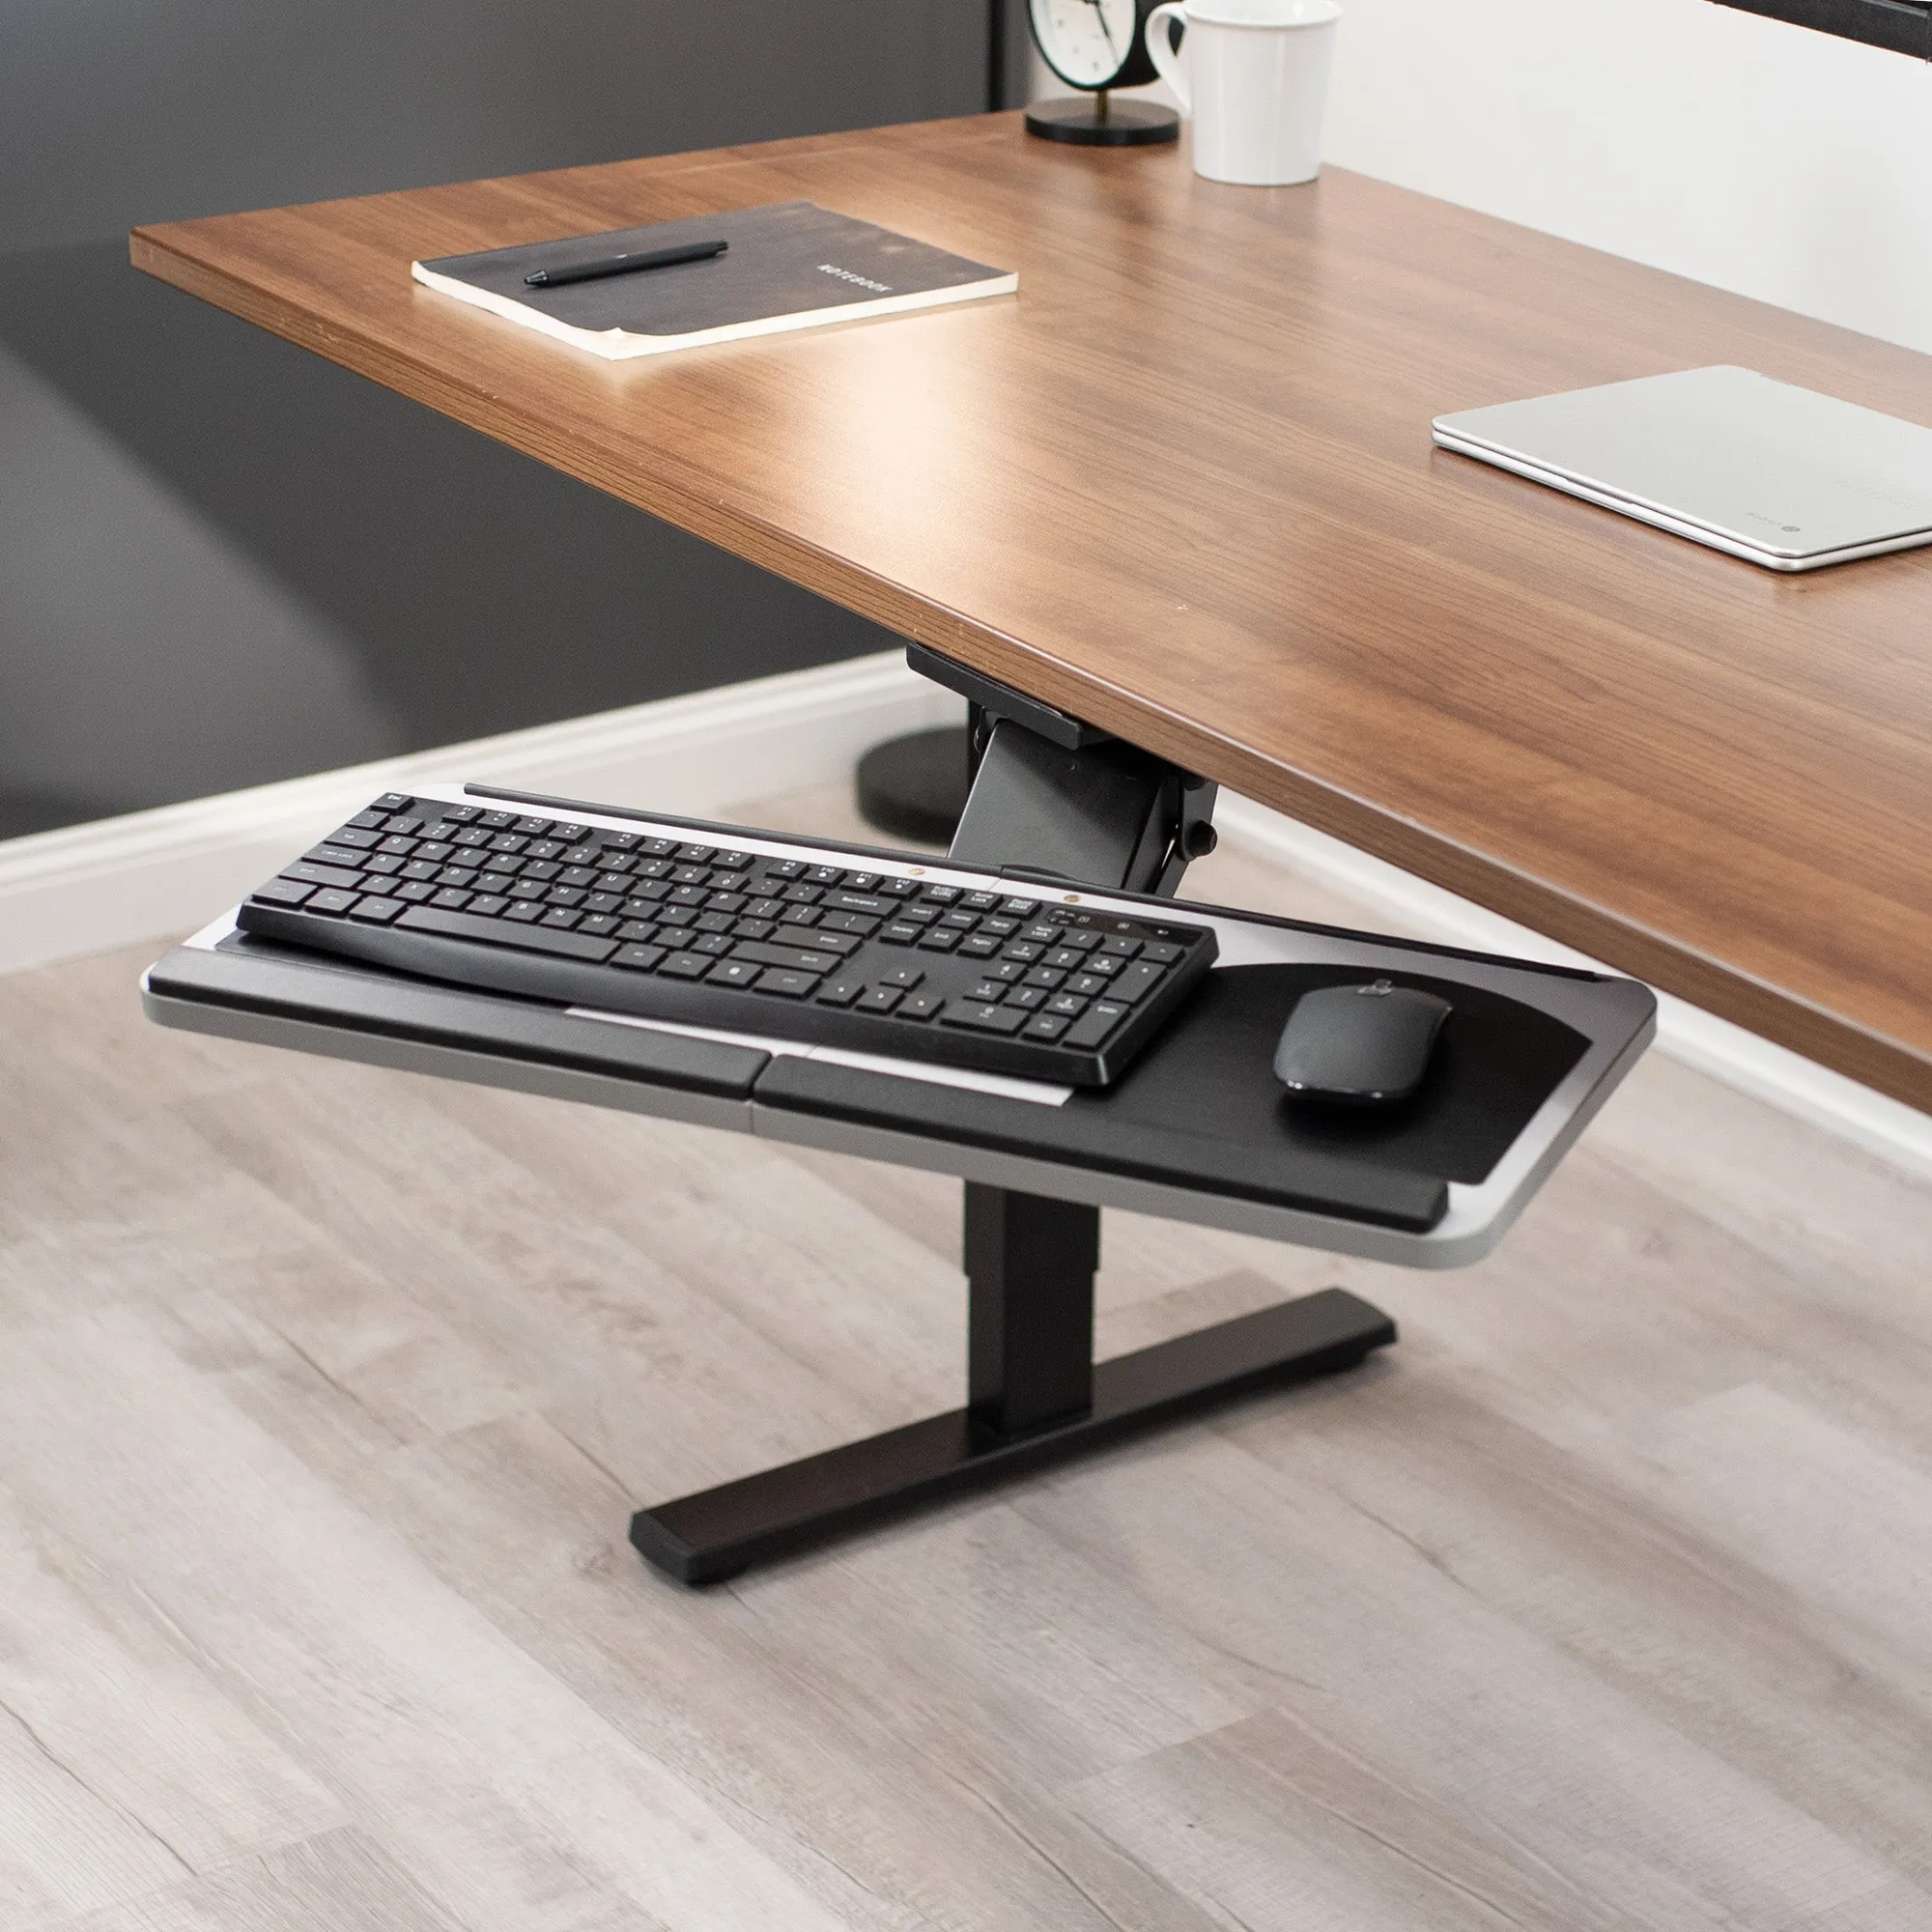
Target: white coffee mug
1253,74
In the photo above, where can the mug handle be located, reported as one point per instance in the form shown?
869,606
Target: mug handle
1160,50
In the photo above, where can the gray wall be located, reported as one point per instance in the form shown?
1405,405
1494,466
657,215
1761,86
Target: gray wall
223,560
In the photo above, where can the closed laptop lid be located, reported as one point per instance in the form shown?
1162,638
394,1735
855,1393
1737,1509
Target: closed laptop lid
1759,466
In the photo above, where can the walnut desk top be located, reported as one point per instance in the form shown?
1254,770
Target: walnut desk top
1182,485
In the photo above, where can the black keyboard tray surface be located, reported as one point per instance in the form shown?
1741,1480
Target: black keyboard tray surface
1196,1128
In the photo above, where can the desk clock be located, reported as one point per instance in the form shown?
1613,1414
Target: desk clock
1098,46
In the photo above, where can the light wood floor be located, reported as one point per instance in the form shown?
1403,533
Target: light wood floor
1604,1601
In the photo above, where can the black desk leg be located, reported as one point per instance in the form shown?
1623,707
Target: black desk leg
1067,799
708,1537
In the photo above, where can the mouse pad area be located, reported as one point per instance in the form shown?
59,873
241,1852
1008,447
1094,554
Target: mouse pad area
1212,1072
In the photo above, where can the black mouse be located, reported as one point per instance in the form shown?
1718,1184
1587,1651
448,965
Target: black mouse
1360,1046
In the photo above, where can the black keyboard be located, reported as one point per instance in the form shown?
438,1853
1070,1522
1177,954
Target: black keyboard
785,939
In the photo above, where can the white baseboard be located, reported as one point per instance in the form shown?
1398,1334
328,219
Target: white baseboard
90,888
1898,1134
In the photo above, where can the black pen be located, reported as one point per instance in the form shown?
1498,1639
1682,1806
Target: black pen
624,265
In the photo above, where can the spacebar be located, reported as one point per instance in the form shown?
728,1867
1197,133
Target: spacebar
502,932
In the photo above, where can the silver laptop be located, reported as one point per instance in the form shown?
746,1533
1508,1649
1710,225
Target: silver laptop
1782,476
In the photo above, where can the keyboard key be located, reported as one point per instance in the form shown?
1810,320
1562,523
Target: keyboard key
731,862
1087,985
1105,964
533,828
686,966
1026,998
637,929
920,1005
862,882
987,992
1141,978
383,863
1162,951
307,874
487,905
1099,1021
936,939
421,870
671,915
825,875
392,801
897,889
919,915
415,890
599,925
1045,976
849,922
979,946
880,1000
798,915
816,940
999,928
498,821
841,991
1080,939
960,921
332,898
977,1016
716,944
1020,908
376,911
752,929
697,855
939,895
463,814
452,899
523,912
364,821
355,837
638,959
565,895
733,973
1041,935
1005,969
1064,957
500,932
281,892
1022,950
1066,1005
561,918
1045,1026
713,922
897,934
792,957
981,903
906,977
785,869
790,985
657,848
603,902
450,875
1125,948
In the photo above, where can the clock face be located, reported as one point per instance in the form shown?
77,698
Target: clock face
1087,43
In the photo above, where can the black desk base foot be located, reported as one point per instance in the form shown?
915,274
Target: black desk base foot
715,1534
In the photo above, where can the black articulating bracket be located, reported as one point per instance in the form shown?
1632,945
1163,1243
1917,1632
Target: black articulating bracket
1052,798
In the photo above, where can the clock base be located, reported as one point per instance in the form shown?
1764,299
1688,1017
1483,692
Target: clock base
1097,122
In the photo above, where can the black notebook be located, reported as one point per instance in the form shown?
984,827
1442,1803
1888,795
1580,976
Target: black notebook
790,265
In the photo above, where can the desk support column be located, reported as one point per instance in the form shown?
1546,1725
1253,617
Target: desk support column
1030,1263
1065,801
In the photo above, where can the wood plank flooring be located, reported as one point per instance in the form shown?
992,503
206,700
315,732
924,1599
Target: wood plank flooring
1604,1601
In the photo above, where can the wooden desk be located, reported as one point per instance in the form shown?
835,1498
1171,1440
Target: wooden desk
1183,486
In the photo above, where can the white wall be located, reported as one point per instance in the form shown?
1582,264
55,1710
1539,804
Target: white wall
1784,164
